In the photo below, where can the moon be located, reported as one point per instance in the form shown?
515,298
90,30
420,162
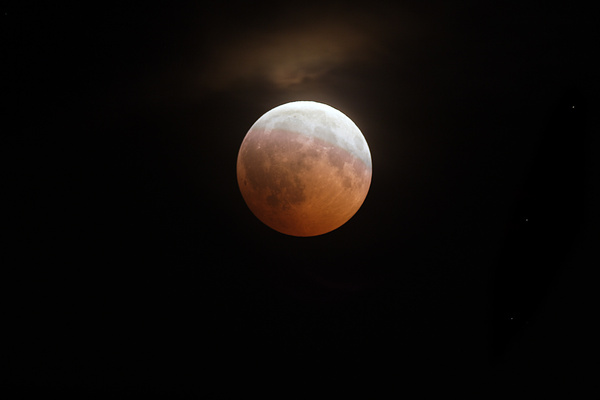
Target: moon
304,168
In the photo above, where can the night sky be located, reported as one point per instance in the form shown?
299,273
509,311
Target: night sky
132,265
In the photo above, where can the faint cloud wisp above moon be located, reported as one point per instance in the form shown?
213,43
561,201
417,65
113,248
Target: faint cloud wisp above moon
288,56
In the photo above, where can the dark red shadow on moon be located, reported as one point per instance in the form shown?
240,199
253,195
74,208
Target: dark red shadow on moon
300,185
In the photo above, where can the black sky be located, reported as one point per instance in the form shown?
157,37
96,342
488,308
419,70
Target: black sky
134,266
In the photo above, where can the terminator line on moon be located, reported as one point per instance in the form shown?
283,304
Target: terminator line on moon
304,168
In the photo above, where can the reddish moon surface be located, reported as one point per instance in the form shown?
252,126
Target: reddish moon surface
304,168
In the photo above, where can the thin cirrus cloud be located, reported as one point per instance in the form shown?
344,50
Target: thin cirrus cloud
290,56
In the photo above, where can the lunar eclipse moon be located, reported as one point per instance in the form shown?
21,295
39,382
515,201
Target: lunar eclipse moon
304,168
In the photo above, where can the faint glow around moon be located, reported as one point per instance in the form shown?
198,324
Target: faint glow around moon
304,168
